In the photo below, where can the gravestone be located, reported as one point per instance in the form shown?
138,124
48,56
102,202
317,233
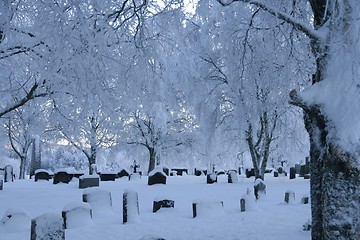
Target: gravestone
276,174
107,176
93,169
259,188
134,176
130,207
1,182
249,172
297,168
232,176
292,173
302,170
208,209
62,177
157,176
165,203
180,171
289,197
9,173
243,204
307,176
211,178
35,155
199,172
135,166
166,170
76,215
99,199
42,174
15,220
47,227
280,170
123,173
305,200
86,181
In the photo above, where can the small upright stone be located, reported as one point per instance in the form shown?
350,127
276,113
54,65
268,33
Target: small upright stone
243,204
130,207
9,173
232,176
76,215
289,197
211,178
47,226
292,173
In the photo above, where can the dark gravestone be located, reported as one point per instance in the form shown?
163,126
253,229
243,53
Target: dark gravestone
307,165
107,176
276,174
162,204
307,176
297,168
280,170
259,188
289,197
9,173
305,200
242,204
173,173
88,181
130,207
42,175
76,215
199,172
232,176
123,173
62,177
302,170
292,173
180,171
157,177
207,208
1,183
47,227
211,178
77,175
166,171
249,172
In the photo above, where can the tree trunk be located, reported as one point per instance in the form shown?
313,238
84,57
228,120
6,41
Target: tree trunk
22,166
152,160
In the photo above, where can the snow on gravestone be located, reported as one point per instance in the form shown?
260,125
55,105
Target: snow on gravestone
232,176
204,209
47,226
77,215
15,220
130,207
289,197
156,176
9,173
259,189
99,200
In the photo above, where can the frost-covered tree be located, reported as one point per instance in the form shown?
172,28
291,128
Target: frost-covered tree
330,115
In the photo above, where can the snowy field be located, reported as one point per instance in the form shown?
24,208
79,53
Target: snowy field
269,218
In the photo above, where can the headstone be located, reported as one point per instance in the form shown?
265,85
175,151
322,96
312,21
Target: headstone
165,203
307,176
62,177
9,173
15,220
135,166
130,207
276,174
123,173
1,182
173,173
166,171
47,226
243,204
280,170
232,176
305,200
134,176
249,172
302,171
157,176
292,173
35,155
289,197
99,200
42,174
107,176
77,215
211,178
199,172
208,209
259,188
86,181
297,168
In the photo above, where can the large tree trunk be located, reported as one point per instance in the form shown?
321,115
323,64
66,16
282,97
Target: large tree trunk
153,158
22,166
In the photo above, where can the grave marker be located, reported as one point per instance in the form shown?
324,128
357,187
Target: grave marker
130,207
47,227
259,188
9,173
165,203
289,197
76,215
157,176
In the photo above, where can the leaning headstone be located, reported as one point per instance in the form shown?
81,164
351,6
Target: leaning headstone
47,226
289,197
232,176
130,207
76,215
165,203
208,209
99,200
62,177
292,173
9,173
211,178
15,220
42,174
259,188
86,181
157,176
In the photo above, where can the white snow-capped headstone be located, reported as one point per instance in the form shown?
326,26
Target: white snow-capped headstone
77,214
15,220
130,207
47,226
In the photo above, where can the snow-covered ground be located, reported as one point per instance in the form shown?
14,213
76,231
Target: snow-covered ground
269,218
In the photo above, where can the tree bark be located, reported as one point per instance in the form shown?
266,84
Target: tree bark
152,162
